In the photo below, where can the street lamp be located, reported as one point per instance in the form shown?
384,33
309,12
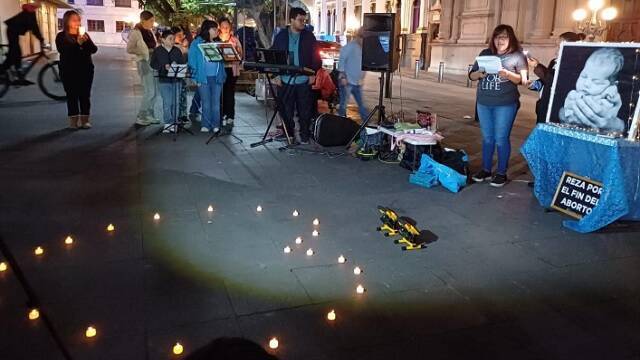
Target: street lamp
593,22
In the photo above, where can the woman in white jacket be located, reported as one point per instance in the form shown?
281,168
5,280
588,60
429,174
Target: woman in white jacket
141,43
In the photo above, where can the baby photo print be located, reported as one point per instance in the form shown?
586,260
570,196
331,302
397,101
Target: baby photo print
596,86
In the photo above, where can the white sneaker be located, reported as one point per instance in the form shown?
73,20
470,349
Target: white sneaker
187,124
216,130
204,129
142,122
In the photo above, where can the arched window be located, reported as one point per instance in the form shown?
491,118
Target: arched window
415,18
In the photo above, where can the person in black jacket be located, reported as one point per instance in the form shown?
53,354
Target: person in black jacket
546,75
19,25
161,60
76,68
302,47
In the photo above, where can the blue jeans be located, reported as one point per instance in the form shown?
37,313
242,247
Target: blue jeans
210,98
169,92
496,123
356,91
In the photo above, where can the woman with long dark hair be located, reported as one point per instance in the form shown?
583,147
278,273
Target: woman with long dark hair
209,76
498,100
76,69
233,72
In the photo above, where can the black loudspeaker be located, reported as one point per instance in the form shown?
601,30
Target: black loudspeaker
380,34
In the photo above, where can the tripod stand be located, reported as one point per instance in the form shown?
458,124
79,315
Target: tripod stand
176,126
378,108
278,109
219,134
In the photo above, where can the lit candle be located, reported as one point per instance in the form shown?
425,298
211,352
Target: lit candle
68,240
310,252
111,228
357,270
81,30
316,222
360,289
287,249
273,343
299,240
331,315
3,266
38,251
315,233
156,216
91,332
178,349
259,208
341,259
210,208
295,213
34,314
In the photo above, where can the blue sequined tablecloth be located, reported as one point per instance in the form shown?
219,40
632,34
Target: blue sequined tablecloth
551,150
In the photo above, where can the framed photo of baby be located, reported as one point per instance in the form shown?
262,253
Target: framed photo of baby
596,86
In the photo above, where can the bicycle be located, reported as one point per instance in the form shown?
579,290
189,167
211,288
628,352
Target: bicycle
49,80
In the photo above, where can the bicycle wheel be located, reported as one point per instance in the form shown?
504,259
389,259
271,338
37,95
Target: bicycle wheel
50,82
4,83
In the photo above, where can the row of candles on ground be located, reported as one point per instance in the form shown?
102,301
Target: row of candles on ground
178,348
39,250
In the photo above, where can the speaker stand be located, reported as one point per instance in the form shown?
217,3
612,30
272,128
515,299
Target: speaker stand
377,109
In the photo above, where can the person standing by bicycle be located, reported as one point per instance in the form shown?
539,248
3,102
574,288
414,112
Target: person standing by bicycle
18,25
142,42
76,69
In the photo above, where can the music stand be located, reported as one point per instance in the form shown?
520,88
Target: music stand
176,73
228,54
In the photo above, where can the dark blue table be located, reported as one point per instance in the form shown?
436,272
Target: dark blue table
551,150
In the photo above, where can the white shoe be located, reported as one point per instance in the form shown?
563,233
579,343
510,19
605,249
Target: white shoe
230,121
142,122
204,129
187,124
216,130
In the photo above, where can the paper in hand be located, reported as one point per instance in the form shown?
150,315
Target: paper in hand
491,64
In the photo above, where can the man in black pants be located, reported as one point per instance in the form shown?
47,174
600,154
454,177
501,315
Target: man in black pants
16,26
302,47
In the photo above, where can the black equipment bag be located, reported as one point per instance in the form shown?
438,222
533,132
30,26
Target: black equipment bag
334,130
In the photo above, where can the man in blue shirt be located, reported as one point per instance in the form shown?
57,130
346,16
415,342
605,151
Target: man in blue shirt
303,51
350,67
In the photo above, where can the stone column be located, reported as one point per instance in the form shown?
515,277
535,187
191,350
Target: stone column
424,16
339,22
322,27
563,19
458,8
350,14
542,20
446,18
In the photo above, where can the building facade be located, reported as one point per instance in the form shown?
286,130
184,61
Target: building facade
105,20
455,31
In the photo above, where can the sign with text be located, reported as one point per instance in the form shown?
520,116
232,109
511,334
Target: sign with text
576,196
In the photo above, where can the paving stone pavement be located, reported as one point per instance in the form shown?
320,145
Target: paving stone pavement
504,280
